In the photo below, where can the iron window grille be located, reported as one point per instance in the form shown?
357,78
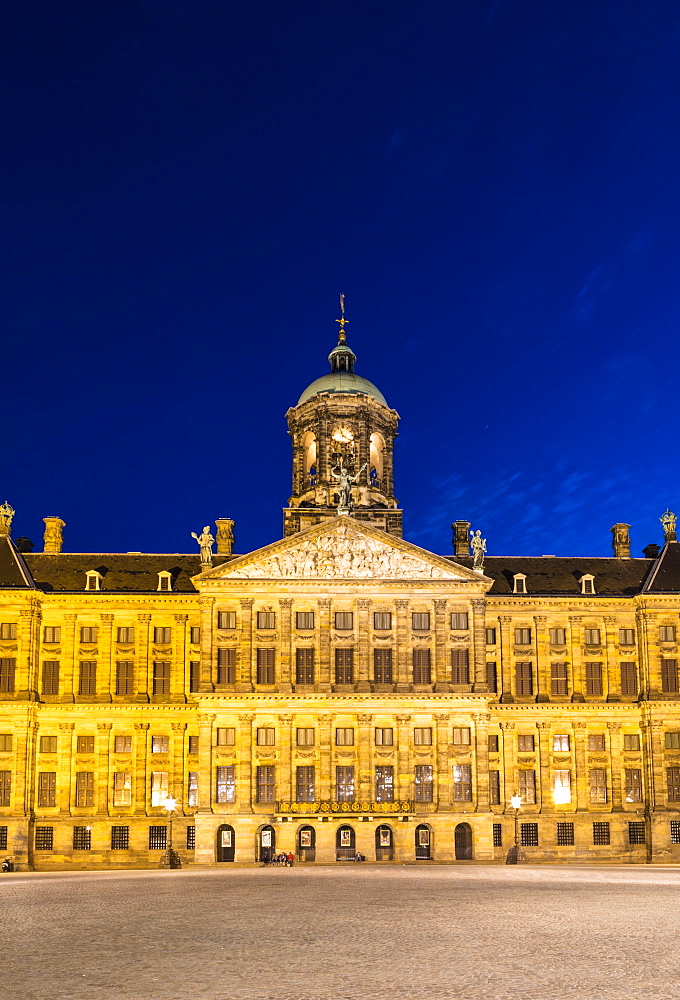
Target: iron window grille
120,838
82,838
636,832
675,831
529,834
565,834
44,838
497,834
3,838
191,838
158,838
495,788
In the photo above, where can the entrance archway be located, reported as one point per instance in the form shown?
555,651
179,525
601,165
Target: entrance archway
384,843
423,843
306,843
345,844
462,838
226,843
266,843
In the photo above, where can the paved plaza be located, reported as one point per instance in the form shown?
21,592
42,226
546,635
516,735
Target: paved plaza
359,932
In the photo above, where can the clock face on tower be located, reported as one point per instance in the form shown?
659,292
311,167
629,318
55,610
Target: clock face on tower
343,435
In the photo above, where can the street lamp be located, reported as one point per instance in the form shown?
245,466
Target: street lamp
170,858
516,855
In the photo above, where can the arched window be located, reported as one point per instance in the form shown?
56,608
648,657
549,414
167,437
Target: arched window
345,844
423,842
93,580
306,843
384,843
377,451
309,452
226,843
462,837
266,843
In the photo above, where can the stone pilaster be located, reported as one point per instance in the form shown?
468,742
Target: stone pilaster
404,771
543,678
364,784
648,684
403,650
140,777
481,762
66,757
26,681
106,674
440,668
207,672
68,680
362,676
286,668
442,775
205,776
179,676
478,606
580,794
143,672
178,781
615,764
102,782
578,680
245,794
506,660
245,660
285,779
323,681
544,801
509,778
610,667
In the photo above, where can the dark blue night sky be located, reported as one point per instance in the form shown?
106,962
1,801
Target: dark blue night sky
189,184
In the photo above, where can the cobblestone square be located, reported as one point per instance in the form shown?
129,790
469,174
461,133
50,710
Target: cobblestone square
348,933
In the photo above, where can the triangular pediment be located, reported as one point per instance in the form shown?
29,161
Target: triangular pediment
342,549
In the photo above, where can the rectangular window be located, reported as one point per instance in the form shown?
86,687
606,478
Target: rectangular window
344,666
382,620
5,788
497,834
384,783
266,736
122,788
120,838
344,620
561,742
44,838
524,679
631,741
460,666
675,831
422,737
160,744
667,633
423,783
494,743
193,744
672,741
565,834
266,619
491,677
529,834
192,789
8,630
52,633
162,635
7,670
126,635
85,788
490,634
636,832
304,619
304,784
225,784
226,619
85,744
158,838
672,782
562,786
593,679
669,676
122,744
5,742
628,679
124,677
459,621
304,666
159,787
344,783
495,788
591,637
596,742
527,787
522,636
558,637
382,666
226,665
558,680
304,737
161,677
598,785
195,635
266,666
194,676
525,743
265,782
422,673
462,783
461,736
626,636
82,838
344,737
89,633
384,737
48,744
191,838
225,736
88,677
420,621
47,789
633,784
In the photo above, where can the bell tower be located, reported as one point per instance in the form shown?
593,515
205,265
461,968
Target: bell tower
343,435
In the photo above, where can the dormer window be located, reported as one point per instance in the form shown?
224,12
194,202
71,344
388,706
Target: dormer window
520,583
165,580
93,580
587,584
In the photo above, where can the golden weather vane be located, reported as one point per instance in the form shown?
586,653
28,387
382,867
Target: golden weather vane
341,335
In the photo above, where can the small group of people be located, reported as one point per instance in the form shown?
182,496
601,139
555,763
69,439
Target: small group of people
287,860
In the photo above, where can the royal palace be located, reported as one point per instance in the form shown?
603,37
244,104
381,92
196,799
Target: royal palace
340,691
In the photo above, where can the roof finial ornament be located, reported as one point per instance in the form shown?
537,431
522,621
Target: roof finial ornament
668,520
342,337
7,512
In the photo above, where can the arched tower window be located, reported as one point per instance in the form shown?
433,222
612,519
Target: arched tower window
309,448
377,451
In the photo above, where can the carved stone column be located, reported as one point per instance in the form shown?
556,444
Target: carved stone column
615,764
580,798
205,778
479,644
611,679
648,684
442,778
286,673
26,681
652,750
364,775
403,651
68,681
101,798
576,653
245,663
404,777
245,791
106,679
543,673
509,777
179,674
285,779
544,801
143,678
363,645
325,777
140,768
504,667
481,764
440,672
207,671
66,766
324,669
178,784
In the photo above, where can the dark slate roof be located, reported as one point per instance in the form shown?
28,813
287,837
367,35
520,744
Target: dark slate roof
665,577
560,575
121,573
14,573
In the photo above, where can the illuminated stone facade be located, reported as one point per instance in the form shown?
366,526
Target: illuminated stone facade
340,690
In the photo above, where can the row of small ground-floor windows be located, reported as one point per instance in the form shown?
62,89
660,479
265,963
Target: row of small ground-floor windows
560,834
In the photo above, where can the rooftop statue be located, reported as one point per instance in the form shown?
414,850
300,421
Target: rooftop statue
478,549
205,541
668,520
345,482
7,512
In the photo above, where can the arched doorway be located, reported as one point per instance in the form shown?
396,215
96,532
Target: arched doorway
423,843
384,843
266,843
462,838
226,843
306,843
345,844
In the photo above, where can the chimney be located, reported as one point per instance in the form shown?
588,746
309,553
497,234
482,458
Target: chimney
651,551
53,538
621,540
225,536
461,538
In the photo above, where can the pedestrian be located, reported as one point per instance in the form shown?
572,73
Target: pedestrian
290,858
